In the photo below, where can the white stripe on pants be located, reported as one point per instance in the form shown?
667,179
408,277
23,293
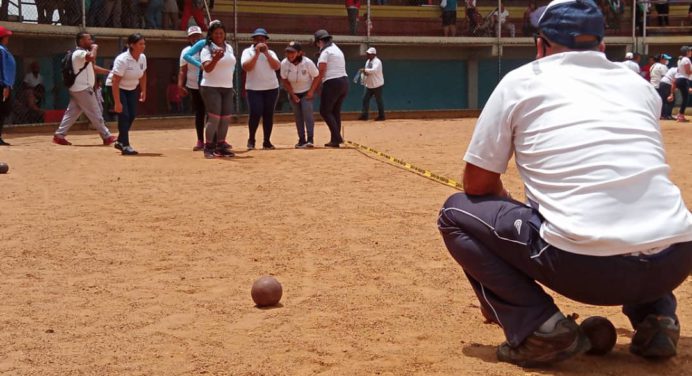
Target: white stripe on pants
83,101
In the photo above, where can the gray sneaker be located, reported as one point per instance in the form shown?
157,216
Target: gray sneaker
541,349
128,150
656,337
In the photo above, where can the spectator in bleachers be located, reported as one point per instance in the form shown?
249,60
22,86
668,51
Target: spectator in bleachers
8,71
170,14
45,10
132,14
111,14
474,18
352,9
527,27
33,78
682,80
449,17
154,14
662,10
25,110
632,61
70,12
173,98
194,9
501,16
4,7
657,71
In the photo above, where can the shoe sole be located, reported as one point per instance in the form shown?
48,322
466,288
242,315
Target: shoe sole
580,345
660,346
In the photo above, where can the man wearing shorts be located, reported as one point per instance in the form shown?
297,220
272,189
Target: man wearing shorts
604,224
449,18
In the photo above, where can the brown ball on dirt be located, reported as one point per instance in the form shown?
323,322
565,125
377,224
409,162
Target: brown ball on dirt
601,334
4,167
266,291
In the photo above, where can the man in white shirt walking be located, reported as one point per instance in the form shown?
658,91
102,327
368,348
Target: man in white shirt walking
374,82
82,95
604,224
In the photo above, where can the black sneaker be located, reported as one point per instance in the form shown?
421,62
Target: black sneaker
656,337
380,119
309,145
540,349
268,146
223,152
3,143
301,145
118,145
250,145
331,145
128,150
362,118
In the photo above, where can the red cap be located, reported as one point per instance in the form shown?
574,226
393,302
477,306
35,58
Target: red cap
4,32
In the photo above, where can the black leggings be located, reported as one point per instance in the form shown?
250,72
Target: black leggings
261,104
334,92
683,85
200,112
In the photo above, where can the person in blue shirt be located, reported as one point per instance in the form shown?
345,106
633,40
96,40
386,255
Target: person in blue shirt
8,71
449,18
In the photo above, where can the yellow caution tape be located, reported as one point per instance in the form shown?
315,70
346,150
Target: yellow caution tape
408,166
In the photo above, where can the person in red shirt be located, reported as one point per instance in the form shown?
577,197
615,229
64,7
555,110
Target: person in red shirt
646,70
352,9
173,96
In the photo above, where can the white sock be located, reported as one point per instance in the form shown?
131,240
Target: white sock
549,325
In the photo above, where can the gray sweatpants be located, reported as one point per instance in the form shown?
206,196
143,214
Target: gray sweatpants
219,102
83,101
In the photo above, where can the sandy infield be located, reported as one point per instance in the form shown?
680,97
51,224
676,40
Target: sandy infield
143,265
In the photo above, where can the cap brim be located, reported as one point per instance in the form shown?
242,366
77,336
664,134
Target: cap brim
291,49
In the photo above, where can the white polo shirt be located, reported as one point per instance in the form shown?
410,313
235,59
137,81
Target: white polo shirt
222,75
336,62
129,69
299,75
669,77
32,81
374,76
682,63
656,73
591,156
632,65
87,78
262,76
192,79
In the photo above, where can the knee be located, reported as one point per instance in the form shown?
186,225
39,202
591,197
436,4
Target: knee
456,203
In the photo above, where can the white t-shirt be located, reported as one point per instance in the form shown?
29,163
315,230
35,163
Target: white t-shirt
222,75
669,76
32,81
336,62
598,175
301,75
192,79
87,78
262,76
502,16
129,69
632,65
374,76
657,72
685,61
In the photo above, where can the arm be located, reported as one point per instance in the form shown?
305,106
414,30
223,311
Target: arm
274,63
117,105
480,182
190,55
143,87
322,67
3,76
671,97
688,69
101,70
182,75
289,90
376,66
249,64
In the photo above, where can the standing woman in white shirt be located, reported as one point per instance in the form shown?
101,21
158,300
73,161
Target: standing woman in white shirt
332,67
300,77
128,73
216,87
261,85
656,73
682,80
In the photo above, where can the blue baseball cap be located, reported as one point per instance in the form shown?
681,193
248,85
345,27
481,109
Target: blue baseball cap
260,32
564,20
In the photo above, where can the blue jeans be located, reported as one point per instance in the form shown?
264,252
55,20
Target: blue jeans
304,118
154,14
497,243
129,99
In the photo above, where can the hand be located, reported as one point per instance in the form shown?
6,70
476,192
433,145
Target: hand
218,54
5,93
295,98
143,96
261,47
182,91
94,47
118,107
671,98
309,95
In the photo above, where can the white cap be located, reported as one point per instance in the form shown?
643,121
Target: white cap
629,56
194,30
371,51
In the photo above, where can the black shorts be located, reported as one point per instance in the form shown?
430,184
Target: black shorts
449,17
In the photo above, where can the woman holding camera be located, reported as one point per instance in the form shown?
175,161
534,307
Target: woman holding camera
262,86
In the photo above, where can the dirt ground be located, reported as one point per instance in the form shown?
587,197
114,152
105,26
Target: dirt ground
143,265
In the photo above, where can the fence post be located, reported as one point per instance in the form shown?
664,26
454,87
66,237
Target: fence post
84,10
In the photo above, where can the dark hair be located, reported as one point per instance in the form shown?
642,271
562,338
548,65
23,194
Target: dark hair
80,35
134,38
212,28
